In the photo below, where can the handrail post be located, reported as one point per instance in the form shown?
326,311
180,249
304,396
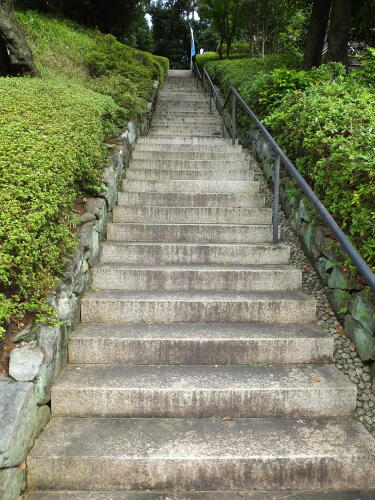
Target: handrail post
210,100
276,196
234,119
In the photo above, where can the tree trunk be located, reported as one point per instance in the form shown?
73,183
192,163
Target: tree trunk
221,49
15,55
339,31
316,33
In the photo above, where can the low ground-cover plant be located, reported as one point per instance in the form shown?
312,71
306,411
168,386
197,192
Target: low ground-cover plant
52,133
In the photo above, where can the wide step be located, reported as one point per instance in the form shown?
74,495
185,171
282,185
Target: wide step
191,199
192,233
121,307
202,454
199,344
204,495
203,391
195,253
189,277
188,174
188,215
192,186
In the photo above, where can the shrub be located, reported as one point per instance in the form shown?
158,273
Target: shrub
52,133
51,150
328,131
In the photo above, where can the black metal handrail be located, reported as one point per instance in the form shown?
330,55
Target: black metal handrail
280,156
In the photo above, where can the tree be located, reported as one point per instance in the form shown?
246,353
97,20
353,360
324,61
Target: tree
339,31
15,55
316,33
226,16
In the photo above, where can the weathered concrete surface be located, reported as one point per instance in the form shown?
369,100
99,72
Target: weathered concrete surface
190,233
117,306
196,277
192,186
18,415
205,495
199,344
188,174
186,215
195,253
270,454
191,199
203,391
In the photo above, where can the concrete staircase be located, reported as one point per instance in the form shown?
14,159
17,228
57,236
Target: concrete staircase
198,371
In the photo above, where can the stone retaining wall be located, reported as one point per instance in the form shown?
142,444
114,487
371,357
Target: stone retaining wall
352,303
41,351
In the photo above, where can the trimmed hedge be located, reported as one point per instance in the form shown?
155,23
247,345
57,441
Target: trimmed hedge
52,133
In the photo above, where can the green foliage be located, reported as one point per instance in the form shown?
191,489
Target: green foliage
237,48
325,121
366,72
329,131
233,72
266,91
52,133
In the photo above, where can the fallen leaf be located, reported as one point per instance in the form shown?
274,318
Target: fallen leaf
22,466
225,419
314,379
340,330
352,344
306,270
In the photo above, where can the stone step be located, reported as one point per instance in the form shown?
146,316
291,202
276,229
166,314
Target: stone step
191,186
203,495
195,253
233,165
218,278
202,454
190,215
165,114
123,307
180,133
205,145
203,391
188,174
184,155
216,141
190,233
185,120
209,130
192,199
199,344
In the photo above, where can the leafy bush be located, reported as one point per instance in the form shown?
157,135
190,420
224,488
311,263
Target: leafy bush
366,72
49,154
237,48
52,132
328,131
266,91
233,72
123,92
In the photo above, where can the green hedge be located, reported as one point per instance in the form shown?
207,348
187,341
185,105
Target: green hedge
52,133
325,121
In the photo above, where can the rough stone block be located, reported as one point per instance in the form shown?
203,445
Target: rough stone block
364,341
84,235
308,239
363,310
53,342
340,300
10,484
25,362
95,206
18,417
305,211
324,268
338,279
